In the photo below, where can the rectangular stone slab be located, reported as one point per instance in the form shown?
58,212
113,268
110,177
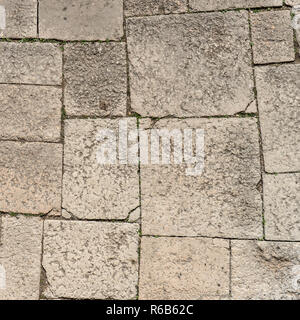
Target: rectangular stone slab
20,18
272,37
190,64
30,177
223,201
92,190
81,19
184,268
30,112
278,92
265,270
20,256
30,63
282,206
95,79
91,260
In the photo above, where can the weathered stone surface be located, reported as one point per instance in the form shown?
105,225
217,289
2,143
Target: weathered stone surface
265,270
148,7
292,2
272,37
91,260
30,177
81,19
183,268
30,112
282,206
209,5
190,65
20,255
278,90
92,190
96,79
20,19
31,63
223,201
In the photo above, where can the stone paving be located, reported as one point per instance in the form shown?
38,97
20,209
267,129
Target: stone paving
74,228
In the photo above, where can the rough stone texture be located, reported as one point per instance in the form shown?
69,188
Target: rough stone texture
20,255
190,65
149,7
31,63
30,112
292,2
210,5
91,260
282,206
21,19
265,270
272,36
81,19
96,79
30,177
278,91
183,268
223,201
92,190
296,23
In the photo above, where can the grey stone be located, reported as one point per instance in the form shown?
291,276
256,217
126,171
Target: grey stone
96,79
20,256
81,19
30,112
265,270
91,260
190,65
150,7
20,18
183,268
210,5
221,202
30,177
30,63
278,91
282,206
272,37
92,190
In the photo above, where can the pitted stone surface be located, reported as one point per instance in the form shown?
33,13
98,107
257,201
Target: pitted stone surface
265,270
92,190
30,63
30,177
223,201
149,7
190,65
91,260
210,5
20,19
183,268
272,36
32,113
81,19
278,92
282,206
96,79
20,255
